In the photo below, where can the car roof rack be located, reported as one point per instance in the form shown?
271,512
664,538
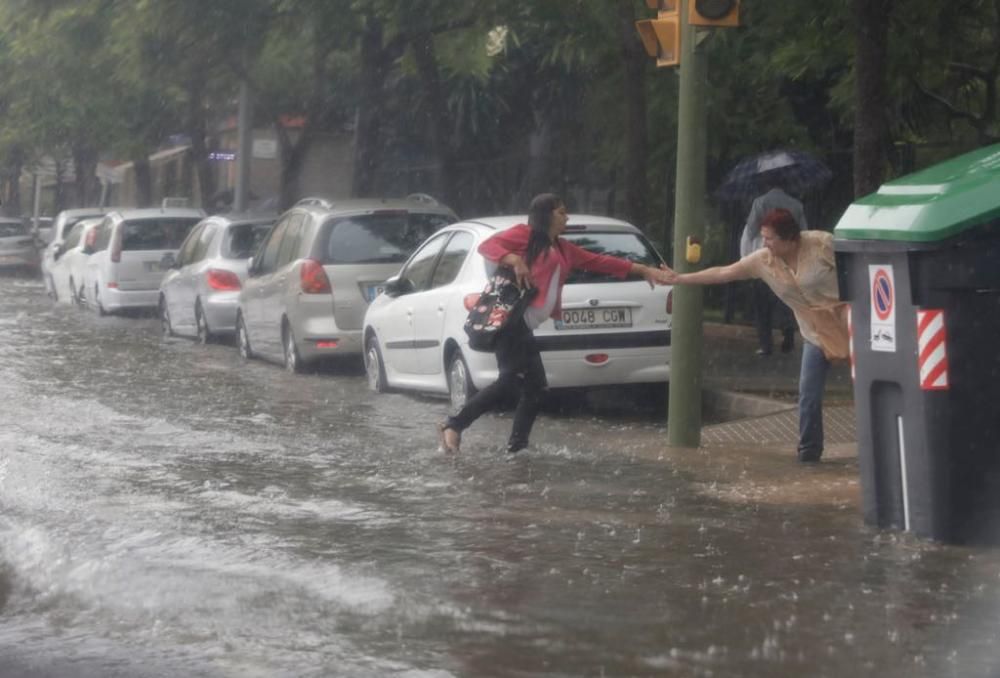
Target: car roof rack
423,198
315,201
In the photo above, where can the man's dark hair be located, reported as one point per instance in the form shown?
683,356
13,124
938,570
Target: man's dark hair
783,224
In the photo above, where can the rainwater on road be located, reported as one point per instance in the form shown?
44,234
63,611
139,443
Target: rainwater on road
167,510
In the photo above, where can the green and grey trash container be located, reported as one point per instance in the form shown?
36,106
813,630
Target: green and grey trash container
919,262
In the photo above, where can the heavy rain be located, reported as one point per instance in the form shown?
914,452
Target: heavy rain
270,366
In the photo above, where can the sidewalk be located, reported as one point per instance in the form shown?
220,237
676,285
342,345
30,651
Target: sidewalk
754,397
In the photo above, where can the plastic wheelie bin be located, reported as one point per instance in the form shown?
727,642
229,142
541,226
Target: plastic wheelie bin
919,262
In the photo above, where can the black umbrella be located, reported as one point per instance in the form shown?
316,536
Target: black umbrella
797,172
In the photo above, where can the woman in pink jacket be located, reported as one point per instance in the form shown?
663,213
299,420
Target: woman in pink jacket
540,259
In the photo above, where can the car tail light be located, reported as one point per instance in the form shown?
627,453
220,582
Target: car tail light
326,343
469,300
670,302
112,285
116,248
313,278
597,358
221,280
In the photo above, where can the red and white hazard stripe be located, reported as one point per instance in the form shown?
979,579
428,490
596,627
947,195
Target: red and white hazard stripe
932,357
850,339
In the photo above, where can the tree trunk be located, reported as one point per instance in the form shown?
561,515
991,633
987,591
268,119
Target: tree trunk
143,181
871,128
293,155
367,131
197,129
85,169
439,121
634,63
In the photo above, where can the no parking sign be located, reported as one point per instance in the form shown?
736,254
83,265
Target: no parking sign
883,307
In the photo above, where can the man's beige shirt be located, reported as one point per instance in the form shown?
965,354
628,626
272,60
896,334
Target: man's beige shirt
810,290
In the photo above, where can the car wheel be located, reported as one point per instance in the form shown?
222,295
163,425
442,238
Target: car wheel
375,367
460,387
98,306
205,335
293,362
166,328
243,338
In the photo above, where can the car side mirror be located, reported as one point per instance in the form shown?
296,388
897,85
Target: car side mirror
397,286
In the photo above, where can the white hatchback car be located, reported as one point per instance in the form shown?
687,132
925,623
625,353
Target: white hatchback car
612,331
135,248
69,262
61,228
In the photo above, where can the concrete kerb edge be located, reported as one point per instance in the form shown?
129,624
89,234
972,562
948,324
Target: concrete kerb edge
732,405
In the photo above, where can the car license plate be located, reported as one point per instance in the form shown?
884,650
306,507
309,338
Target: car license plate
373,290
593,318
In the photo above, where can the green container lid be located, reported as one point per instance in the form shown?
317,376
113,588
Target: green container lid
933,204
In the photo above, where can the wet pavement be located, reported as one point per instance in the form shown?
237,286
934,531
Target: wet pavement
167,510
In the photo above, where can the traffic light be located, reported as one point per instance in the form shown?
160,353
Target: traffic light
713,12
662,36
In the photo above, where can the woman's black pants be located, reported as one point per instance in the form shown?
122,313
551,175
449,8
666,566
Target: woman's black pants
521,373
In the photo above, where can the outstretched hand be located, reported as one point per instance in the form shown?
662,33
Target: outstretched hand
668,275
657,276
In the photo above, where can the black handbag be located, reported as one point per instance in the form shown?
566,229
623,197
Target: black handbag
501,303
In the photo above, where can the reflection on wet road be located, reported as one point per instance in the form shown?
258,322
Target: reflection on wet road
168,510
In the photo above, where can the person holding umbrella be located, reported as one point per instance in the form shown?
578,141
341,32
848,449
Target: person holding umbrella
767,307
800,268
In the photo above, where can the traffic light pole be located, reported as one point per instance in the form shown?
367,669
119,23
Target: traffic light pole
684,408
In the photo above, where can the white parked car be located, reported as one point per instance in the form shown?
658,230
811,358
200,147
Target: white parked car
61,227
199,295
66,273
135,248
612,331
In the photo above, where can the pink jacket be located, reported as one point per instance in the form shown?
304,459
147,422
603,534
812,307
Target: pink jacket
567,256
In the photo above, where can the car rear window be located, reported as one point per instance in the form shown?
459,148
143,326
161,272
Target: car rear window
10,229
379,238
242,239
156,234
631,246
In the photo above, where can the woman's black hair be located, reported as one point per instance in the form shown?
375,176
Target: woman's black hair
540,219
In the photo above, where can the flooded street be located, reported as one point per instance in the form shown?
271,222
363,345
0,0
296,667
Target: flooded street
167,510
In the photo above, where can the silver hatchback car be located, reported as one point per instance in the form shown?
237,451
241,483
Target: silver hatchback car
311,280
199,295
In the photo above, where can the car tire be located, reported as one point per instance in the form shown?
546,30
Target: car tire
460,386
204,333
98,306
243,338
375,366
293,361
166,327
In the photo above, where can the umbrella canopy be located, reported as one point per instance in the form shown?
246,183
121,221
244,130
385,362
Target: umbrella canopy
797,172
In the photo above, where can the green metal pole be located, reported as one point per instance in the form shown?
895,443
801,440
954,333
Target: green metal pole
684,408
